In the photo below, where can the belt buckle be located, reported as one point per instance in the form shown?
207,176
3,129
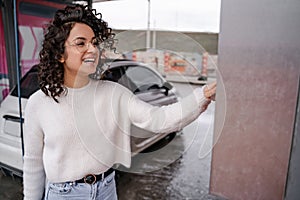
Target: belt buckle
90,179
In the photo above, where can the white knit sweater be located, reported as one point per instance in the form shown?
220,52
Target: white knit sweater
89,130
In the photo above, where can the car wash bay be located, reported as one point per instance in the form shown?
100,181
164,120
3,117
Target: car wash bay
255,156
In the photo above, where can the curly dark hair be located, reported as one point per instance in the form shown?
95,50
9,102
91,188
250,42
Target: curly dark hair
51,70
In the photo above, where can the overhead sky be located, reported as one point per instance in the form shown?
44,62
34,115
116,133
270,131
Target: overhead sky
176,15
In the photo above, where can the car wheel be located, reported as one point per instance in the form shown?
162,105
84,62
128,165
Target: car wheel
160,144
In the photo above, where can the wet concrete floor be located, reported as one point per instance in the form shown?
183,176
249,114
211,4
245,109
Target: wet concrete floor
179,170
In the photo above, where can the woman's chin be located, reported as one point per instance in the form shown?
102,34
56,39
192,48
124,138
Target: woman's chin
88,68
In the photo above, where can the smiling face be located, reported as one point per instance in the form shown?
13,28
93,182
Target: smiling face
81,55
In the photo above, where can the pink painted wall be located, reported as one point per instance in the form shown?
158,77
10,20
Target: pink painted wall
259,64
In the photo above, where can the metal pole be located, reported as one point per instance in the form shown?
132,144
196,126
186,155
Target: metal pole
153,36
18,69
148,28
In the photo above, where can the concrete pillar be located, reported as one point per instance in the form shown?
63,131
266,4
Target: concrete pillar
259,61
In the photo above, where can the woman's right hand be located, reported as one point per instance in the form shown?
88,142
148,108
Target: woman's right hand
210,91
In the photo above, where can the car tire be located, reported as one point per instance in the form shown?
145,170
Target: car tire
160,144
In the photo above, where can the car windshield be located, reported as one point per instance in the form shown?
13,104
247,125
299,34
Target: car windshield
140,76
137,78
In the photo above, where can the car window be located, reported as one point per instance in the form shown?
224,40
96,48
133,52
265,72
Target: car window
141,76
117,75
136,78
29,84
112,75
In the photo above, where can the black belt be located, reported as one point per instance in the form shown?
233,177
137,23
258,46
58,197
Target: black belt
93,178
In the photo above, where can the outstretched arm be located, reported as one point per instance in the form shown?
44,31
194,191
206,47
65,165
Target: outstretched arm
171,117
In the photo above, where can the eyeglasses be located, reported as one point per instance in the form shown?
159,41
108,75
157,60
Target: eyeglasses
82,45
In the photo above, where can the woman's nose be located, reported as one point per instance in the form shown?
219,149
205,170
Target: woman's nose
92,48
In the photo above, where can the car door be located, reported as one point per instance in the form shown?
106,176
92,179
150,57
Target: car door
10,134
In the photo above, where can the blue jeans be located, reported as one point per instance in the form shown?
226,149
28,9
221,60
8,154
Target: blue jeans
101,190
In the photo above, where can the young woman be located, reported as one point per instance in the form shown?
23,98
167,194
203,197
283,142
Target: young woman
76,128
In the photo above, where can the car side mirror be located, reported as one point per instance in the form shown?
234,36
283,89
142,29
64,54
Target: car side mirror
168,86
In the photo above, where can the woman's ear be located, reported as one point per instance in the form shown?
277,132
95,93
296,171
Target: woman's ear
62,60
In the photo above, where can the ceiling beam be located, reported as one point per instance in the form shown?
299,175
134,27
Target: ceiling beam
95,1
